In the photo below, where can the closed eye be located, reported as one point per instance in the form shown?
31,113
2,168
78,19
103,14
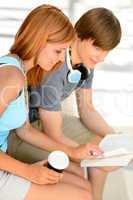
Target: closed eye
58,51
97,48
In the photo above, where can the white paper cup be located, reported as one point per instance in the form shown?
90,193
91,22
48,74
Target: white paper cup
58,161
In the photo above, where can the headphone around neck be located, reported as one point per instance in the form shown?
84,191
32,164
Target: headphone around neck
77,73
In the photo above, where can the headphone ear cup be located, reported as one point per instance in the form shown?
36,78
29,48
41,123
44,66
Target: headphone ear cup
83,71
74,76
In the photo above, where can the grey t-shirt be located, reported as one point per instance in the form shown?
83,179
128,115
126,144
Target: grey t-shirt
54,89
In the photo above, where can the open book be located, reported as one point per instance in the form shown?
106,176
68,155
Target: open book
118,151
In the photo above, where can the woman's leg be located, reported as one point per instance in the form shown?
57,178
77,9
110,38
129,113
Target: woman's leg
77,181
60,191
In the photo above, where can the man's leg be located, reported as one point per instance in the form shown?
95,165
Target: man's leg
23,151
97,178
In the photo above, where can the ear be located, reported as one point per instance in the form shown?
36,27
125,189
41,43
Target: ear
77,38
90,41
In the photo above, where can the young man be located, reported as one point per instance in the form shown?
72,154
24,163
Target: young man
97,32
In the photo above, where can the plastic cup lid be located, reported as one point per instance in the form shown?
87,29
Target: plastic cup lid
58,160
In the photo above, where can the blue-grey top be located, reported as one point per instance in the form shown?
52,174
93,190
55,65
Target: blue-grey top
54,88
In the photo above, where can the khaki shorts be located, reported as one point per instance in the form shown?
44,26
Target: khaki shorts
72,128
13,187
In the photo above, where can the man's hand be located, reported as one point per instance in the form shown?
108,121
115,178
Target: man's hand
86,151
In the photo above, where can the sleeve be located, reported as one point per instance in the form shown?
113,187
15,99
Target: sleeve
47,96
50,97
88,82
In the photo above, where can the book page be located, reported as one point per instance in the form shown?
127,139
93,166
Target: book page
113,142
118,151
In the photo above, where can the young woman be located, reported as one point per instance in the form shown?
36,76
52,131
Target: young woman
39,47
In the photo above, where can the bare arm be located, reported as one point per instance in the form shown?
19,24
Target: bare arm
89,116
9,90
9,86
52,125
35,173
41,140
13,166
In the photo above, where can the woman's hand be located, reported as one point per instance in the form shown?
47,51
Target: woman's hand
40,174
86,151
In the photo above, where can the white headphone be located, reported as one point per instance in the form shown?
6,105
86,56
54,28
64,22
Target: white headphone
80,73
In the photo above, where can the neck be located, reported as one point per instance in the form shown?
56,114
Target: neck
74,52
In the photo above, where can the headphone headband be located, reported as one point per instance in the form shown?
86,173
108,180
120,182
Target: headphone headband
77,72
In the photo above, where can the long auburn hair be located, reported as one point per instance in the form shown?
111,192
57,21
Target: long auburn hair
44,24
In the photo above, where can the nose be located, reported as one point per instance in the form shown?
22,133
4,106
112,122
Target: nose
62,56
102,55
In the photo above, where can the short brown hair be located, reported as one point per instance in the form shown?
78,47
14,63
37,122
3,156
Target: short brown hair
44,24
100,25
